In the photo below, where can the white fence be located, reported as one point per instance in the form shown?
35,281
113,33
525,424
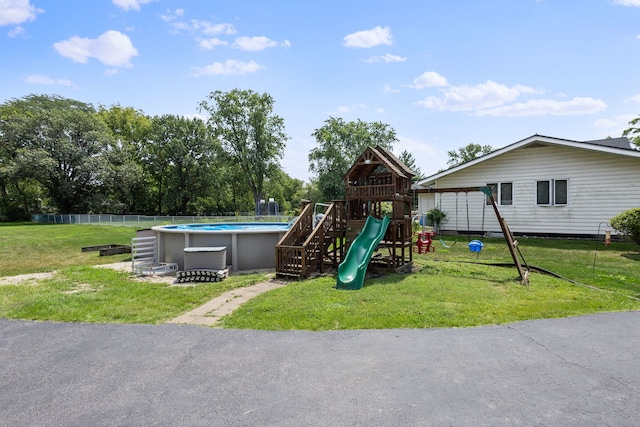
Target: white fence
145,221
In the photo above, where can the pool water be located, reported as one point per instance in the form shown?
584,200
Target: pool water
231,227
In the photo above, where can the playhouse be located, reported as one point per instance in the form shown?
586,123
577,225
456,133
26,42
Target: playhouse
378,186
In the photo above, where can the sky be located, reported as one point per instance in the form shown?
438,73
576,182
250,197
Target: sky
442,74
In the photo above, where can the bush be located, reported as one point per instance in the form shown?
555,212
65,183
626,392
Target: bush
628,223
436,217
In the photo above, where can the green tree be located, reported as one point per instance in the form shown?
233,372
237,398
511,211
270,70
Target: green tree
409,161
127,185
339,144
181,157
20,163
66,143
251,134
633,132
285,190
467,153
628,223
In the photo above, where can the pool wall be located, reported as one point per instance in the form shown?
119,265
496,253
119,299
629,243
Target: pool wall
246,249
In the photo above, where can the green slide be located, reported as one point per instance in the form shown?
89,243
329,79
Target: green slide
352,270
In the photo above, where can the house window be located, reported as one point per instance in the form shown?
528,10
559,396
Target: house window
502,193
552,192
560,192
494,192
506,193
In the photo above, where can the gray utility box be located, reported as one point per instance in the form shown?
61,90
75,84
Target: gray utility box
212,258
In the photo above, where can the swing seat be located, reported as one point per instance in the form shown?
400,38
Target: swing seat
423,245
448,246
475,246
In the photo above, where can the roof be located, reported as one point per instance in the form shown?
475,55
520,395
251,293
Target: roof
395,160
385,158
622,143
618,146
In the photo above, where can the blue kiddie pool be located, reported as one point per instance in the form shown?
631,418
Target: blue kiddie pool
475,246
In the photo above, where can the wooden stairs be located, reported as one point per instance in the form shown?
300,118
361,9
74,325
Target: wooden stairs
310,242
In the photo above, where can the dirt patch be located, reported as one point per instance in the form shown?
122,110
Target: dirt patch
25,279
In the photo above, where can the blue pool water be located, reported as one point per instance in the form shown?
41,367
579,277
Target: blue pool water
241,226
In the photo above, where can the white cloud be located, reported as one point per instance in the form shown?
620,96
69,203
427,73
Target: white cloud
388,89
634,98
343,109
617,122
228,67
16,31
369,38
547,107
385,58
111,48
130,4
13,12
628,2
203,27
44,80
429,79
209,44
257,43
468,98
417,149
172,16
253,43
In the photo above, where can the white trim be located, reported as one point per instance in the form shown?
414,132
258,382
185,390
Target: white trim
430,180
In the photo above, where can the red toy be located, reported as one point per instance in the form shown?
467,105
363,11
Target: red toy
423,246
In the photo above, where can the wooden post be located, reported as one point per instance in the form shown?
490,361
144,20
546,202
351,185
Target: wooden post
508,236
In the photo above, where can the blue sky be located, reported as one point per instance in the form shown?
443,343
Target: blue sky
443,74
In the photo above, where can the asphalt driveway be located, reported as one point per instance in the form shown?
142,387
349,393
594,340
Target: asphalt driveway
578,371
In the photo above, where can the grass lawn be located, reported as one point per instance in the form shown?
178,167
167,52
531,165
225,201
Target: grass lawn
32,248
446,290
449,291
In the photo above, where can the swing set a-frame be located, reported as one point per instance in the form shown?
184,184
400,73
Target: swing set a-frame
514,250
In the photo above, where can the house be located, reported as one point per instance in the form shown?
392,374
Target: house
544,186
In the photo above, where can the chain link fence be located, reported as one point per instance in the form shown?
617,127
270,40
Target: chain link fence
146,221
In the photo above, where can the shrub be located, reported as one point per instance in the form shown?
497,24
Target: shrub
628,223
436,217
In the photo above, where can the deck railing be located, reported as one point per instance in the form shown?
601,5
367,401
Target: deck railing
384,190
304,248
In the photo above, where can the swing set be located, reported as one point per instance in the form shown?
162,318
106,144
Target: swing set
477,245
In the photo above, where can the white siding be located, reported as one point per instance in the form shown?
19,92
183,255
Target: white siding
600,185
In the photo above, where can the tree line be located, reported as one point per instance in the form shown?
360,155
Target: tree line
61,155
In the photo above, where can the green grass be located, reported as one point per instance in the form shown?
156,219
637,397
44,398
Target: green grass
441,294
103,295
31,248
447,290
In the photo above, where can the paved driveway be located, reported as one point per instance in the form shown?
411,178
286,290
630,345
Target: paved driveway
569,372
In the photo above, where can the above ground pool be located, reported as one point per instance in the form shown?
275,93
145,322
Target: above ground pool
250,245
